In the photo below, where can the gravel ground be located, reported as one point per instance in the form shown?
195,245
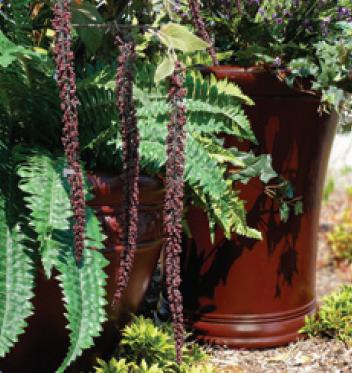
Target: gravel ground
316,355
312,355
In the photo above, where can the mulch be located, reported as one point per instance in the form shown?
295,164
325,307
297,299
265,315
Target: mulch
318,355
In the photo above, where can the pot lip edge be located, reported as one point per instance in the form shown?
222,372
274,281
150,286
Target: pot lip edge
249,74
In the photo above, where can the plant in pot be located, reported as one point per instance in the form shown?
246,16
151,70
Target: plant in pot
42,235
294,59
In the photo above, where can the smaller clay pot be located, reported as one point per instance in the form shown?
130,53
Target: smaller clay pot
107,203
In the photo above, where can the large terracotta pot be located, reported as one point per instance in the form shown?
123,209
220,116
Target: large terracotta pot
247,293
44,345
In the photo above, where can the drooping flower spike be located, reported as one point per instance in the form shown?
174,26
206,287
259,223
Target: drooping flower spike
173,207
201,29
66,80
130,155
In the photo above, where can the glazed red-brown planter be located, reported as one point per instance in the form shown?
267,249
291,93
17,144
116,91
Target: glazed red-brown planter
247,293
44,345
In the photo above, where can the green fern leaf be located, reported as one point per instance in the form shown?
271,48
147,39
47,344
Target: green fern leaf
48,201
225,87
213,108
82,284
83,288
16,283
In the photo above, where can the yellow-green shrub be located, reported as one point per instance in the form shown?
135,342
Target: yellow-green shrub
334,318
146,348
340,239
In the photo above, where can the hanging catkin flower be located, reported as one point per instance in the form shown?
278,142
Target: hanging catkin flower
173,208
201,29
130,155
66,80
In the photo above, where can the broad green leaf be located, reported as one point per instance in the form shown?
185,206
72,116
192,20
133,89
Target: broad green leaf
165,69
254,166
176,36
84,13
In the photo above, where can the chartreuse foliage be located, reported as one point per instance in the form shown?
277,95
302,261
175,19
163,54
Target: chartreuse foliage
334,318
214,108
145,347
340,238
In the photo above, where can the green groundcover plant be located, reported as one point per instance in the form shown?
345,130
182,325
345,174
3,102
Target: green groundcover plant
340,239
307,38
334,318
144,347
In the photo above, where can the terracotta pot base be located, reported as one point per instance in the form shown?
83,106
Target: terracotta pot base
253,331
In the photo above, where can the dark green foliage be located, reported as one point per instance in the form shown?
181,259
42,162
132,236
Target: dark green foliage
29,106
334,318
16,280
309,38
16,21
29,115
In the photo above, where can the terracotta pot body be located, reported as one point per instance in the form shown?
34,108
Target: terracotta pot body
44,345
247,293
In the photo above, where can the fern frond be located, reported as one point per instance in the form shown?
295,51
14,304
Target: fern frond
16,282
213,108
225,87
83,285
5,151
29,99
207,178
48,202
83,288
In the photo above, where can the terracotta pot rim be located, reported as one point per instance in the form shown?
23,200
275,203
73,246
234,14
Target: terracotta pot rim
142,246
255,69
108,190
260,80
157,180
